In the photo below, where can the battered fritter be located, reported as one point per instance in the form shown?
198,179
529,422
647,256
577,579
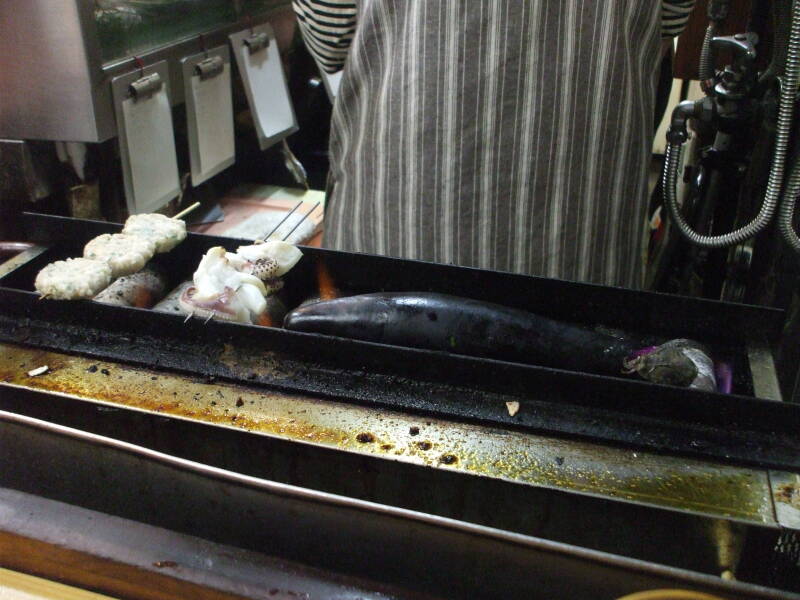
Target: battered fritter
125,254
164,232
73,279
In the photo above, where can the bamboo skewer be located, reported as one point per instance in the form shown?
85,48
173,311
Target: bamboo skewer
186,211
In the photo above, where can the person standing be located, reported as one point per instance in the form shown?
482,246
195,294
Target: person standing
502,134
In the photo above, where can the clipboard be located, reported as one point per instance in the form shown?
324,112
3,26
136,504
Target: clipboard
146,138
260,68
209,112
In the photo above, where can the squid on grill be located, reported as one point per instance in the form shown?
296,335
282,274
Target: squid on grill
235,286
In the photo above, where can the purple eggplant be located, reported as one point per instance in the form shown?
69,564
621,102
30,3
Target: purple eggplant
475,328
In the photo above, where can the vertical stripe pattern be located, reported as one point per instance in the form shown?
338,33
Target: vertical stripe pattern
505,134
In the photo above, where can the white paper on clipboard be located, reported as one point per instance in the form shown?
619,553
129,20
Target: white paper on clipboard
147,143
209,113
265,87
151,147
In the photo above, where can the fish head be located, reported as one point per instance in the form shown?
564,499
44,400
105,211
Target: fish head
352,317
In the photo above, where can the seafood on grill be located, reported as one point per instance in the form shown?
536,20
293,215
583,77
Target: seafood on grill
140,290
476,328
234,286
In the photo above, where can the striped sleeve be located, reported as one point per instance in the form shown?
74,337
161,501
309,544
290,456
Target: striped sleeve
674,15
328,27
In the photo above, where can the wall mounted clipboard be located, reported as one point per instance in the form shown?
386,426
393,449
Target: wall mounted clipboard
209,112
260,67
146,138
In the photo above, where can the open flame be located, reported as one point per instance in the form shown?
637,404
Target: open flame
325,285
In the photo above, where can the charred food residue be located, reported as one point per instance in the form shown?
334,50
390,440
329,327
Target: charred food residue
789,493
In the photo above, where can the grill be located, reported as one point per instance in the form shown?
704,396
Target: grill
737,428
597,417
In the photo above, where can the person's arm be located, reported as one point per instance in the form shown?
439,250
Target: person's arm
328,27
674,16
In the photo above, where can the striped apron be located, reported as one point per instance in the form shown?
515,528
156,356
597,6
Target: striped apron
512,135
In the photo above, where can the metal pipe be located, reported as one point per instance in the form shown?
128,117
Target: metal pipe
717,13
786,216
782,133
706,69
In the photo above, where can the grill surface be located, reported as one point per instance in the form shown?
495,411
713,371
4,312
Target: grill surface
732,428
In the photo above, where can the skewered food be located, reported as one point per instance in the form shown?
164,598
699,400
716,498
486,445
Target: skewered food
475,328
73,279
120,254
124,253
171,302
141,290
234,286
164,232
222,291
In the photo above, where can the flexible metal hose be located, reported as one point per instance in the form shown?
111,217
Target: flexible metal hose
786,216
781,13
772,195
706,69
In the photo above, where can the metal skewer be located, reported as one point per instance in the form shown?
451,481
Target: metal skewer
305,216
289,214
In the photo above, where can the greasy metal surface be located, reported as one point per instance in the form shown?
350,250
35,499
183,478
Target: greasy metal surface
786,495
426,553
669,420
762,369
20,259
150,554
635,476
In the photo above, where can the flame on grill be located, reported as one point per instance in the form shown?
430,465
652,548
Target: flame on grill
326,286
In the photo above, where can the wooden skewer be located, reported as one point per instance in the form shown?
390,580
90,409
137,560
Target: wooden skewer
186,211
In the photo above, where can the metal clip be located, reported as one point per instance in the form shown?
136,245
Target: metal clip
146,86
209,68
257,41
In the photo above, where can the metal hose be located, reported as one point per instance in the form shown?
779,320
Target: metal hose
781,13
772,196
786,216
706,69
